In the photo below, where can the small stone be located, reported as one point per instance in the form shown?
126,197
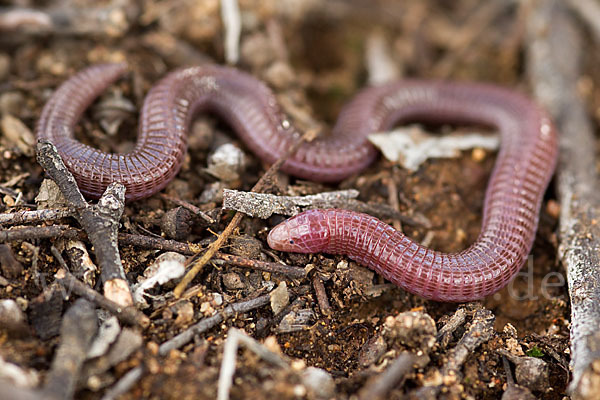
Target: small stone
10,266
217,299
532,373
319,382
11,103
18,134
478,154
279,75
513,346
256,50
50,195
280,298
213,193
177,223
227,162
553,208
153,347
245,246
185,313
12,319
232,281
206,308
371,351
510,330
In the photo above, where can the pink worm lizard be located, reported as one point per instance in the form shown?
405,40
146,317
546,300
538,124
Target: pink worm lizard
513,199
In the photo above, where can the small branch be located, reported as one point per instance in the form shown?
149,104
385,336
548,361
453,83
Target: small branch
124,384
37,232
555,52
321,295
232,21
78,329
36,216
147,242
101,222
128,315
263,205
444,334
208,323
480,330
381,67
378,388
292,272
235,338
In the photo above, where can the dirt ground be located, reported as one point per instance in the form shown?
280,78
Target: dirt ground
312,53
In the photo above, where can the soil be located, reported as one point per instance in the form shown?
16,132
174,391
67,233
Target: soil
312,53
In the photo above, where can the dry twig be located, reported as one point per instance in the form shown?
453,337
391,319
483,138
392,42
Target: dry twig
379,388
207,323
78,329
29,217
263,205
101,222
555,52
128,315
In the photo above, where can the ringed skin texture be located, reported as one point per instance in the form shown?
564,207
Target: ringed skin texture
524,165
523,169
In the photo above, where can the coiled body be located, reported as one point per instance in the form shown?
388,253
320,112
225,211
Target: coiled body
245,103
523,168
513,199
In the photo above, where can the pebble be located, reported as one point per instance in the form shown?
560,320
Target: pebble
319,382
18,134
478,154
532,373
256,51
11,103
553,208
280,298
185,313
12,318
279,75
232,281
372,350
227,162
245,246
